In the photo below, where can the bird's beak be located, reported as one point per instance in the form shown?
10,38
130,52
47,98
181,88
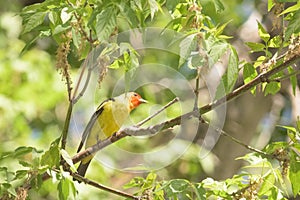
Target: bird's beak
141,100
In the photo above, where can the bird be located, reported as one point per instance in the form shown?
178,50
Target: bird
107,119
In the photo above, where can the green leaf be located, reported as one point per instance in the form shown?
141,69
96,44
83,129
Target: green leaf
32,41
293,26
129,14
256,47
187,45
263,34
66,189
230,77
176,186
270,4
275,42
116,64
64,15
135,182
293,79
218,48
153,7
219,6
21,174
52,156
60,28
291,8
271,148
34,21
105,23
19,152
53,17
200,192
249,73
272,88
291,132
294,172
267,185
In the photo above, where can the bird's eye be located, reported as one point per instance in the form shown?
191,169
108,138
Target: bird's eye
135,94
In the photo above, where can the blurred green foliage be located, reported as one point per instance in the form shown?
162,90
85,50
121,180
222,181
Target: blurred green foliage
33,97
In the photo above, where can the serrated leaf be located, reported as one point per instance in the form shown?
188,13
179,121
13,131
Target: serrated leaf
218,48
187,45
272,88
230,77
293,26
34,21
294,173
255,47
105,23
263,34
129,14
51,157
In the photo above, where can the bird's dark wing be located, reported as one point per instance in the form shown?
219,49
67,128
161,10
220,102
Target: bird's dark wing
91,123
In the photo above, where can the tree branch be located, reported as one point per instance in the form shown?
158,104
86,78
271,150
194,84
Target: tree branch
104,187
66,126
177,120
157,112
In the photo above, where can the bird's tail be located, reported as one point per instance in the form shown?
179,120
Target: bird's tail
81,170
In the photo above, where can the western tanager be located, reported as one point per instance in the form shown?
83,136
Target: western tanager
107,119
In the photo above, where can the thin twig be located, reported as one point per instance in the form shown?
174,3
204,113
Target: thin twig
196,91
66,126
78,83
88,77
157,112
103,187
223,133
279,79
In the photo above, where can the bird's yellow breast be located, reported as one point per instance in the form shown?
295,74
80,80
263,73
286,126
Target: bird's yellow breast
110,120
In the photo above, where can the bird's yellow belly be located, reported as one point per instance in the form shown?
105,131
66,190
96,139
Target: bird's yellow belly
109,122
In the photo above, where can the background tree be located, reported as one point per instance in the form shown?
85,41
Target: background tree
253,45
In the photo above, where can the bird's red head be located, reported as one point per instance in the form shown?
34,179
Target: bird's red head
135,100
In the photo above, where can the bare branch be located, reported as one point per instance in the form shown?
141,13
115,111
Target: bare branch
66,126
223,133
157,112
103,187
